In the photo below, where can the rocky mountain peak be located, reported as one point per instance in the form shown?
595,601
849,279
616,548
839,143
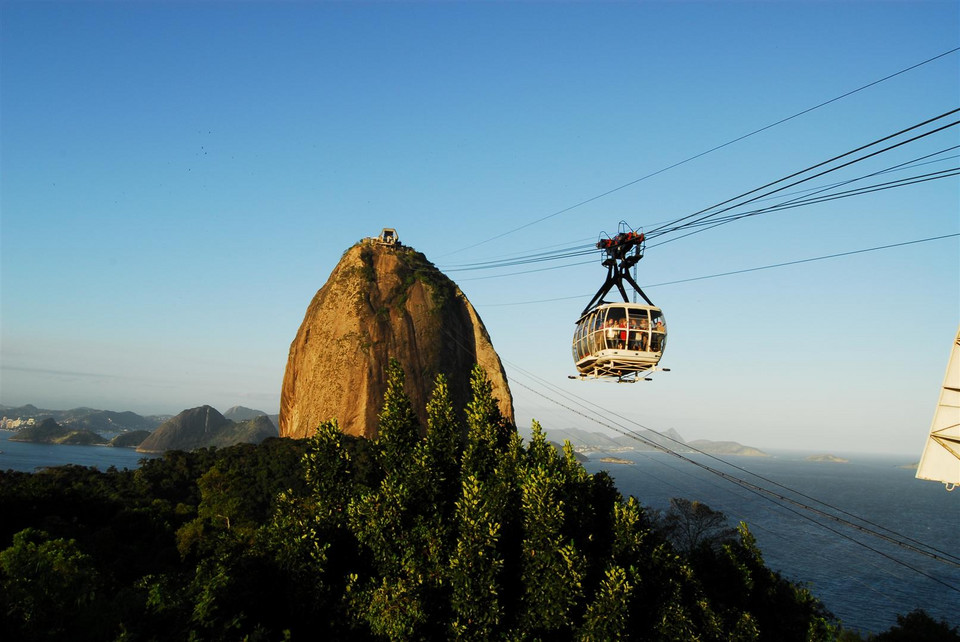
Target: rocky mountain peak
382,302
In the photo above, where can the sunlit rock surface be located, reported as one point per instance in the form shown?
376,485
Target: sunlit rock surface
382,302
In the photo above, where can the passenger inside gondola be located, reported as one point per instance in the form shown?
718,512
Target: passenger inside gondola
659,331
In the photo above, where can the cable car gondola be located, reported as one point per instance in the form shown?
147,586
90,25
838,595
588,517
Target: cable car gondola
620,341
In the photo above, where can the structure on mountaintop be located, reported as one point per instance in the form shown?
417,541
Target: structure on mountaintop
383,301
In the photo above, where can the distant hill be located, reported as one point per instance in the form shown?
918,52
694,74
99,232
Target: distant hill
49,431
130,439
252,431
595,442
726,448
107,420
584,441
830,459
242,413
25,411
204,427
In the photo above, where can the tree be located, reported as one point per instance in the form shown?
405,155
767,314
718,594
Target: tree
403,522
398,427
692,524
444,443
608,614
917,626
49,587
552,567
475,566
736,581
488,432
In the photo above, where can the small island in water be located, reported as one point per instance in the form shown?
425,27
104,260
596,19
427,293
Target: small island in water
833,459
615,460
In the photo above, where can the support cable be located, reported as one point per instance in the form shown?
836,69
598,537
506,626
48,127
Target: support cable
805,197
704,153
771,496
674,226
710,276
934,552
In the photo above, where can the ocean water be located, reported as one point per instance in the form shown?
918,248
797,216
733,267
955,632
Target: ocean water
28,457
864,588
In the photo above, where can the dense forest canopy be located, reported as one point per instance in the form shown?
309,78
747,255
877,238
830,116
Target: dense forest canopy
465,533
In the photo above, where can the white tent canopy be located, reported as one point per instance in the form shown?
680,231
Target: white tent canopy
941,456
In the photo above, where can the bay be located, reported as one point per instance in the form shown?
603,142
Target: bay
863,580
28,457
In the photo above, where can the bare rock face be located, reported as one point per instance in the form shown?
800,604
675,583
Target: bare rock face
383,302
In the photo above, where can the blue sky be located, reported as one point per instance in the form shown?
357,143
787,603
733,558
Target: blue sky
178,179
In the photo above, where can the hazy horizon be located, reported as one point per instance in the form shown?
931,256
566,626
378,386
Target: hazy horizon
524,430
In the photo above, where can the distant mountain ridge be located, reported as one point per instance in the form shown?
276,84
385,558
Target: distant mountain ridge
81,426
204,427
84,418
589,442
109,421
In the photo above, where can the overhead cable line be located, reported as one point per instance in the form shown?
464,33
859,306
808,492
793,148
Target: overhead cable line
709,224
764,493
733,272
771,496
799,261
523,260
541,251
927,159
675,225
866,526
933,551
813,200
807,196
704,153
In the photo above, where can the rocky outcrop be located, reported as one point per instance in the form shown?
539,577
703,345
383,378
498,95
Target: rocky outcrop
204,427
382,302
